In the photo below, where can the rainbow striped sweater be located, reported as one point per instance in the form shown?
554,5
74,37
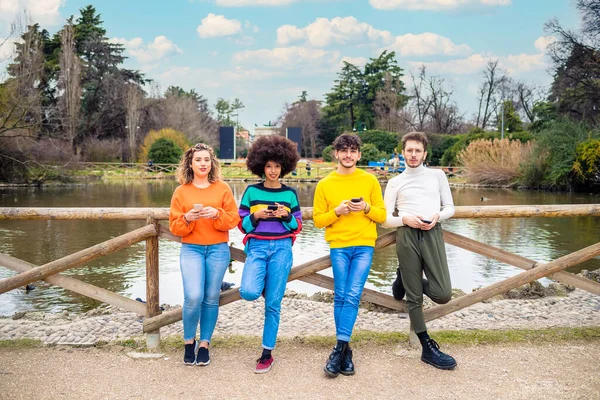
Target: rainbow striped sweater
257,197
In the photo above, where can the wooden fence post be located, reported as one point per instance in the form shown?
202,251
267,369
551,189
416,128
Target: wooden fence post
152,291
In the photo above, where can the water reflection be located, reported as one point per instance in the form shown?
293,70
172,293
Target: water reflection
39,242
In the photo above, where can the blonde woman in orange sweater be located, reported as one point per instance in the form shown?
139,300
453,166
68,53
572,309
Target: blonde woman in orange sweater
203,211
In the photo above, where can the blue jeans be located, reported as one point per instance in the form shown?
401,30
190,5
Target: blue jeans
351,266
268,264
202,271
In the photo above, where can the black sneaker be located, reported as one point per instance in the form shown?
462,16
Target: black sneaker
189,356
332,368
433,356
347,366
398,290
203,358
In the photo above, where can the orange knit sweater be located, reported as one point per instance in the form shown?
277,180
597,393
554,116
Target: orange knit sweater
203,231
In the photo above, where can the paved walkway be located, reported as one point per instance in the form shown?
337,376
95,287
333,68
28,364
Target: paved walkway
308,318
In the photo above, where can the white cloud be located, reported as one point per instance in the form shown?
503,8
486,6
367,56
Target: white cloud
475,63
357,61
44,12
7,47
264,3
433,5
217,25
543,42
427,44
340,30
158,49
348,30
295,57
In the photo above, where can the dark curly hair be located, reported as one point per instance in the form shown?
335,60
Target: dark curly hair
347,141
272,148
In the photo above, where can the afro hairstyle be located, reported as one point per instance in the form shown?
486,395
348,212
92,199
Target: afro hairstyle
272,148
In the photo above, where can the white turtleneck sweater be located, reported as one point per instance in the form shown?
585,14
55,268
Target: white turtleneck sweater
417,191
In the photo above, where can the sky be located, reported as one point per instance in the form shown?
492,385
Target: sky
266,52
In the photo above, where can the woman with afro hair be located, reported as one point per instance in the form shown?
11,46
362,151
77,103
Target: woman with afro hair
270,218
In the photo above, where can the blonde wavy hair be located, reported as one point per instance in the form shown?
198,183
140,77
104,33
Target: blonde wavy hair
185,173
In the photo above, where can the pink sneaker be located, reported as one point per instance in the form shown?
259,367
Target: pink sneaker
263,365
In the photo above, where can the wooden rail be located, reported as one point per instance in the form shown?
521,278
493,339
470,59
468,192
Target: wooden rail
307,272
238,169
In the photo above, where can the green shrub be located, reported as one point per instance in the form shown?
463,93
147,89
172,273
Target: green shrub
164,151
327,153
382,140
555,148
370,153
587,163
171,134
438,144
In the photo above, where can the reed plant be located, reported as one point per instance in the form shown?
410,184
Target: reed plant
495,162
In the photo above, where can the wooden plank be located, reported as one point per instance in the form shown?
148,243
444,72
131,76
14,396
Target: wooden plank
369,295
132,213
73,260
518,261
514,282
77,286
152,272
83,213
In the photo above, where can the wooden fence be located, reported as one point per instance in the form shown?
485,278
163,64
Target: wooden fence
239,170
307,272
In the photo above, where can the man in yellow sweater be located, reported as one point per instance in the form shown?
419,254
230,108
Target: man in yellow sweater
348,204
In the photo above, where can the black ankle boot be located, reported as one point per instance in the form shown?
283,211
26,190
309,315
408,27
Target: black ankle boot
433,356
332,368
397,288
347,366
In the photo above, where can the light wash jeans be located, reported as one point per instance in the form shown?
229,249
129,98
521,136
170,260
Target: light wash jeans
268,264
351,266
202,271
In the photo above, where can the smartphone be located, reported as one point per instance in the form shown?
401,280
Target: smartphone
198,207
272,207
356,200
425,221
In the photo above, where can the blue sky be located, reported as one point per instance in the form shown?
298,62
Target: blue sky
266,52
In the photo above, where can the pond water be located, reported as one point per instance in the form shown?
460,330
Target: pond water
39,242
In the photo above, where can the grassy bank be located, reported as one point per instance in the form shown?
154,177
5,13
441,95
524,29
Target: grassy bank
364,338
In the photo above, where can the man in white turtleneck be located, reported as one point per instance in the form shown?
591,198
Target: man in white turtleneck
416,201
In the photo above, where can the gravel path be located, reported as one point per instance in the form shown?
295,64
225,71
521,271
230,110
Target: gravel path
307,317
516,371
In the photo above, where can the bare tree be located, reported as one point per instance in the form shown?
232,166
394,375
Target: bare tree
133,103
182,114
386,106
490,95
305,115
420,101
527,96
20,103
69,84
444,114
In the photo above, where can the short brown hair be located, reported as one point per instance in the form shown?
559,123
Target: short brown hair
417,137
185,173
347,141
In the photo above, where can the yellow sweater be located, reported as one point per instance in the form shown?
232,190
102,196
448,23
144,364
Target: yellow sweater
203,231
356,228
